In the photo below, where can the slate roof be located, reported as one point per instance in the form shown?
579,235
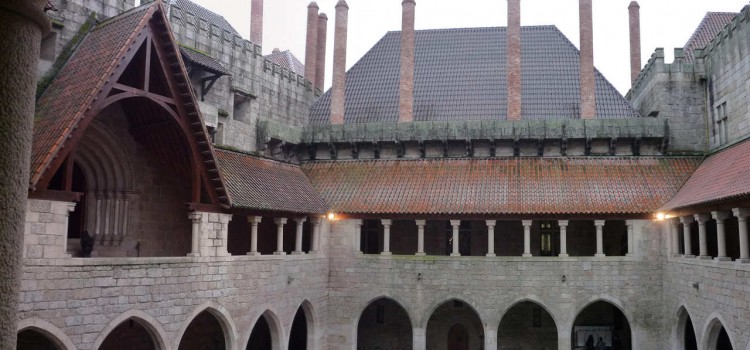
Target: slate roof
204,61
711,25
460,75
722,176
202,12
517,186
287,60
263,184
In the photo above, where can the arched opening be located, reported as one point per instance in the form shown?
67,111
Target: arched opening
684,331
260,337
717,337
30,339
527,325
601,322
723,343
458,316
689,340
205,332
384,324
298,335
129,335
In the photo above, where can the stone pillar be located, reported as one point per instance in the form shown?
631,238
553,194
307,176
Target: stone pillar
563,238
358,236
686,221
742,214
491,237
635,40
701,219
280,222
631,242
256,22
490,337
456,226
419,336
599,238
386,237
222,248
674,224
526,238
587,80
513,34
298,236
254,221
338,87
315,221
420,237
311,43
721,235
320,70
195,247
406,82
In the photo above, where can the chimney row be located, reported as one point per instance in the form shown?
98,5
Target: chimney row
256,22
311,52
339,63
406,83
514,59
588,83
635,41
320,60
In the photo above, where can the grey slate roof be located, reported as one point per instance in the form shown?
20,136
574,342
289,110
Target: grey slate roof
711,25
204,61
202,12
286,59
460,75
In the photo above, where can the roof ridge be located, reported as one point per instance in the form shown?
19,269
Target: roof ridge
634,158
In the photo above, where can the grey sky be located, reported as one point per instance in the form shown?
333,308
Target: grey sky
664,23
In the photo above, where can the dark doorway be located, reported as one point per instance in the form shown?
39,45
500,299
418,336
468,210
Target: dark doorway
372,231
384,324
723,343
260,337
527,326
203,333
443,327
458,338
690,342
129,335
30,339
298,336
602,320
77,219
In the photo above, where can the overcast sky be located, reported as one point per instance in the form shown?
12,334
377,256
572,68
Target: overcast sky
664,23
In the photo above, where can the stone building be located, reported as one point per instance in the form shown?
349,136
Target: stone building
480,188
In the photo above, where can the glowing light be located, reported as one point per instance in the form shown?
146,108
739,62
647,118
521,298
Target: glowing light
331,216
660,216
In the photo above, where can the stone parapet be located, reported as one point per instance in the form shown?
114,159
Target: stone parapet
46,229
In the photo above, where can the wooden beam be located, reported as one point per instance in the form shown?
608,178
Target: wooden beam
147,69
135,92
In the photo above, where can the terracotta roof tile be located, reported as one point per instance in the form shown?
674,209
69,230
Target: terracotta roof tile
262,184
710,26
586,185
722,176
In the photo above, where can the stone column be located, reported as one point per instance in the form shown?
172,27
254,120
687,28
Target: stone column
526,238
742,214
420,237
686,220
254,221
358,236
490,337
563,238
674,225
315,221
298,236
721,235
456,226
386,237
631,243
22,23
419,339
195,247
491,237
701,219
599,238
280,222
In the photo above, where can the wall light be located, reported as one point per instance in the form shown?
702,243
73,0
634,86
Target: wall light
660,216
331,216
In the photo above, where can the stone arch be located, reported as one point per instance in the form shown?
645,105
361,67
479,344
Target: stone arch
531,299
614,302
275,326
442,317
358,315
436,304
54,334
152,326
311,323
711,330
682,315
521,329
220,314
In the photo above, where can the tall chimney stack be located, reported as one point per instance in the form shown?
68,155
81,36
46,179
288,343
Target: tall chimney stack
339,63
588,84
311,52
256,22
514,59
406,83
320,60
635,41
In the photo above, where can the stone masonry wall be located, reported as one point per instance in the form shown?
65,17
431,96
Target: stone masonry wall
46,229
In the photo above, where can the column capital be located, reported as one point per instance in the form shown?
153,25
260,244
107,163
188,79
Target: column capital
455,223
491,223
720,215
527,223
300,220
674,222
702,218
195,216
71,207
255,220
562,223
686,220
629,223
741,213
315,220
386,222
420,222
280,221
358,222
599,223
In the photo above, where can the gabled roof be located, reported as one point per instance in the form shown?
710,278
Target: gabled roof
203,60
460,74
709,27
204,13
287,60
501,186
721,177
267,185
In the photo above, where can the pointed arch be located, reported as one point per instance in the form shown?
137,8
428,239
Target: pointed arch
436,304
52,333
712,329
454,322
682,318
275,326
615,304
152,326
368,306
534,300
220,314
528,323
311,322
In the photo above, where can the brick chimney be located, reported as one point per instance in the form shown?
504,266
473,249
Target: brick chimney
339,63
635,40
320,60
588,83
311,52
406,83
514,59
256,22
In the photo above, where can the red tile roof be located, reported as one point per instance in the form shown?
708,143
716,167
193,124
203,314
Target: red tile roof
262,184
710,26
586,185
722,176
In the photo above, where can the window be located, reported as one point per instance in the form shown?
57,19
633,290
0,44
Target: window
721,127
548,233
